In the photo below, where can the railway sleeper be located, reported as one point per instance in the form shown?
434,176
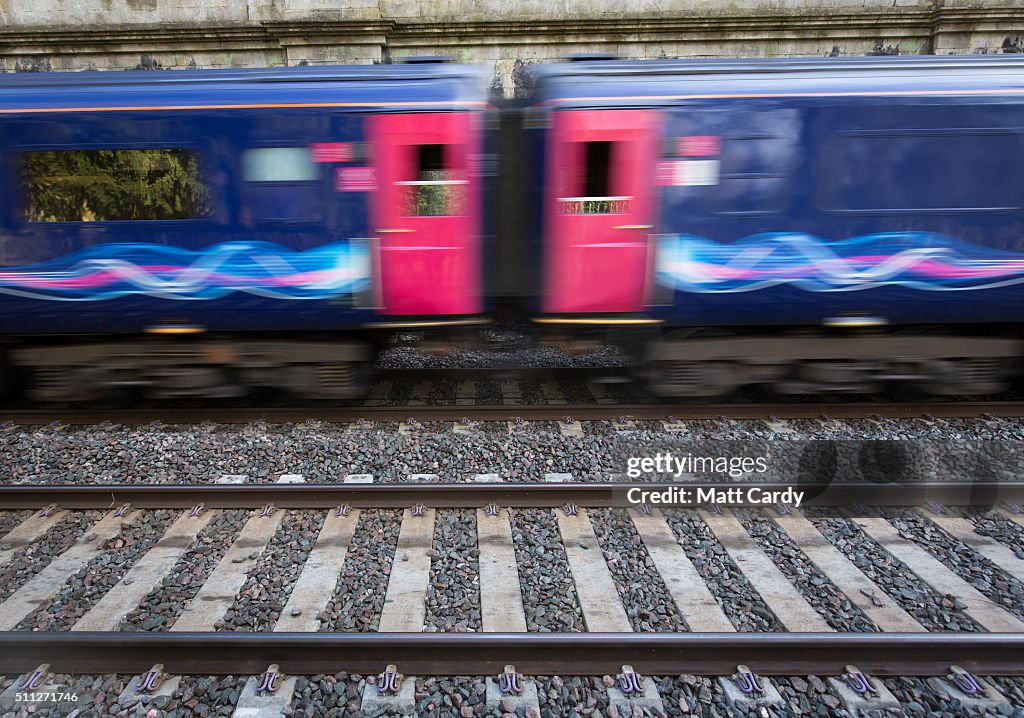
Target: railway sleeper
939,365
83,372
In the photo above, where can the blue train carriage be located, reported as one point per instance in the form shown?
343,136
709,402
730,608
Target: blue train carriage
809,225
204,233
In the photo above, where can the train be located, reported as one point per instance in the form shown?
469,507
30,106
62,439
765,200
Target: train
810,226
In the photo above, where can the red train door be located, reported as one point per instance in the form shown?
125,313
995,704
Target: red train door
426,212
600,207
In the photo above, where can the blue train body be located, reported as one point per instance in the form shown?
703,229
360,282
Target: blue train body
799,192
294,254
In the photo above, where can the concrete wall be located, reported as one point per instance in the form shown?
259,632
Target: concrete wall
505,34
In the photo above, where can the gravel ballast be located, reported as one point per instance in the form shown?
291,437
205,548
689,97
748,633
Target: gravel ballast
1000,587
988,522
10,519
88,585
161,607
263,596
731,589
831,603
362,585
37,555
643,592
931,609
545,579
324,452
453,593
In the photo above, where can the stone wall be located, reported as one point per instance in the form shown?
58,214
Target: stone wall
506,35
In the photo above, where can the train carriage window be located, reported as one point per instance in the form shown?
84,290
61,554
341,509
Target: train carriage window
279,164
753,177
921,171
282,185
113,185
436,191
595,184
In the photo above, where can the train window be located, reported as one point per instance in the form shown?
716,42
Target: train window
282,185
435,192
113,185
595,184
279,164
598,165
923,170
753,175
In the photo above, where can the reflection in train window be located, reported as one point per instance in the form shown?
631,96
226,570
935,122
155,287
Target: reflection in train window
435,192
113,185
279,164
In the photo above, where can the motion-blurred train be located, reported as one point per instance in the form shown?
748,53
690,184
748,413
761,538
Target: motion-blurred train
812,226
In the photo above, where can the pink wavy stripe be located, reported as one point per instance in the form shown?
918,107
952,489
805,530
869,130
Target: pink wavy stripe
106,277
925,267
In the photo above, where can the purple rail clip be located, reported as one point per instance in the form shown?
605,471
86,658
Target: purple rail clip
571,509
267,511
153,679
629,682
859,682
48,511
644,510
197,510
418,510
964,681
343,510
747,680
122,510
389,681
33,679
714,509
510,682
491,509
268,681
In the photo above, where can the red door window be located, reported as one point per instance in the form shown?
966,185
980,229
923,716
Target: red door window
600,207
426,212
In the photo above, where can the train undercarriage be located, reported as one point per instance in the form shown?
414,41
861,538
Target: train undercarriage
698,364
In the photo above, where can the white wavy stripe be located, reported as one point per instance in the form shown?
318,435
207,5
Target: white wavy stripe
924,286
829,267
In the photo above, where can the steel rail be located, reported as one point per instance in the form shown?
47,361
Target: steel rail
527,412
884,654
469,495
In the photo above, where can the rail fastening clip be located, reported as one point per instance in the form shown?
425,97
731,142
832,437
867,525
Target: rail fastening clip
197,510
153,679
629,682
267,511
342,510
48,511
34,679
510,682
269,680
859,682
747,680
964,681
389,681
122,510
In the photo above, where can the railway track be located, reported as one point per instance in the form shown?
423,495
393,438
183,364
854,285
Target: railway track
524,412
85,571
